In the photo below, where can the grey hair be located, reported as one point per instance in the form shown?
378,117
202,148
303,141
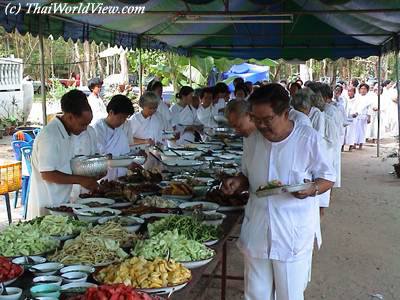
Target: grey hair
317,101
149,99
240,107
302,99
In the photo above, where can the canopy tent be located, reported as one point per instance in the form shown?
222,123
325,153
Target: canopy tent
293,29
248,72
231,28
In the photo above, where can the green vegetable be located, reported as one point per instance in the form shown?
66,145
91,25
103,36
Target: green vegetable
187,226
180,248
28,239
58,225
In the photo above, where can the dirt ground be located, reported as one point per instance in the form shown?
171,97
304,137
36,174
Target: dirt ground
359,258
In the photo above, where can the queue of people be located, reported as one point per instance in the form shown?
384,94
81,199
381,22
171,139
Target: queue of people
291,134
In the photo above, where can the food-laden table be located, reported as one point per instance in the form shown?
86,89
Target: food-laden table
228,226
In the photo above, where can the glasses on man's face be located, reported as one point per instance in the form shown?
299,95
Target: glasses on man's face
262,121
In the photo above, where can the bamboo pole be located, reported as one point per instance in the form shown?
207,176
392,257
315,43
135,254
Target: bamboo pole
379,104
42,77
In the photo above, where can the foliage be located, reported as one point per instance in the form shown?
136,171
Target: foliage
57,90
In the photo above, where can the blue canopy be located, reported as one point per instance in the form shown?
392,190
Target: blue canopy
248,72
235,28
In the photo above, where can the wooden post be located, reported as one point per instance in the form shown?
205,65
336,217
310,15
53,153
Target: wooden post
140,68
42,76
190,70
398,84
379,105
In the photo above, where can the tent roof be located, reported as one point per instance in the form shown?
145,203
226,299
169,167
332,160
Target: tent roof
314,29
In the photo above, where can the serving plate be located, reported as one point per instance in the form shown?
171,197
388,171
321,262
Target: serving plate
231,208
263,192
66,214
210,243
105,201
164,290
197,263
209,207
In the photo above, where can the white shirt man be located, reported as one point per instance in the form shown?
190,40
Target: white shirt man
53,149
98,107
278,231
266,232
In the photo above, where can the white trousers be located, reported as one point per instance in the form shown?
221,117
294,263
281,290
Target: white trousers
266,279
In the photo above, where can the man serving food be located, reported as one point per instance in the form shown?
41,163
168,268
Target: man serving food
277,235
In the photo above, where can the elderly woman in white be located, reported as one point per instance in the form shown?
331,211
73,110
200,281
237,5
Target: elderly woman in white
146,125
112,132
278,232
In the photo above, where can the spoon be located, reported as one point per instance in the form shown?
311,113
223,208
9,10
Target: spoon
3,289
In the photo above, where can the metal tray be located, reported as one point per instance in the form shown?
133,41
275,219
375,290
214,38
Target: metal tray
283,189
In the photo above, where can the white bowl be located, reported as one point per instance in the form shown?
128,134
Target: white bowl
207,207
71,277
67,214
14,293
217,221
49,268
78,268
133,227
49,279
197,264
84,285
21,261
105,201
84,214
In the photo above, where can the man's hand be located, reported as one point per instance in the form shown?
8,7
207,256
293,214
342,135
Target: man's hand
89,183
311,191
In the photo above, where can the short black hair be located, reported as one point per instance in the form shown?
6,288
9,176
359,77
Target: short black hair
242,87
197,92
339,86
184,91
238,80
153,85
273,94
94,82
386,82
206,90
354,82
326,91
221,87
120,104
363,85
294,83
75,102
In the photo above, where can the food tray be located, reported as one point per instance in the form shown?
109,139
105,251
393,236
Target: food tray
283,189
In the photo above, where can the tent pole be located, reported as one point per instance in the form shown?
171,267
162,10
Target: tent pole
140,69
379,105
398,85
42,77
190,71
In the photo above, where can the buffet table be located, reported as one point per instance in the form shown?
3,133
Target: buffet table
233,218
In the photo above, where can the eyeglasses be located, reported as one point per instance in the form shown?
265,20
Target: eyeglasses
264,121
